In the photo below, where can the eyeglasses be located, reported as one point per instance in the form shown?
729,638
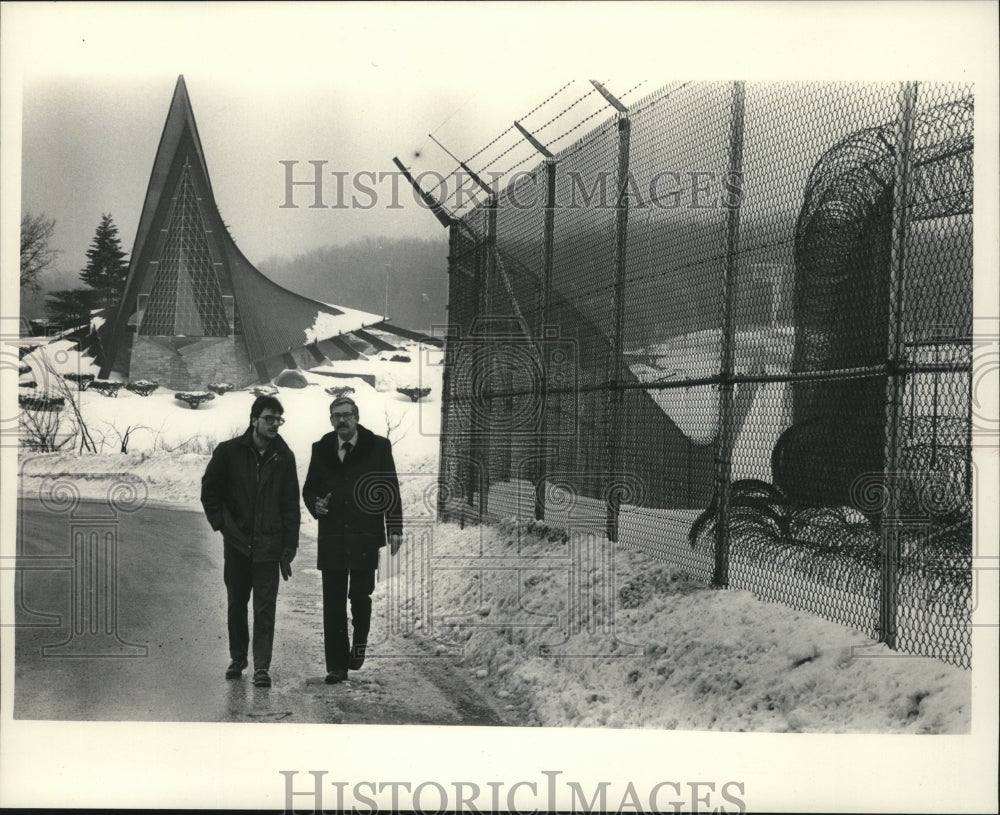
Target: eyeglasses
273,420
342,415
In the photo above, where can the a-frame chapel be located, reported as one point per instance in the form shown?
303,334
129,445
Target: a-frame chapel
195,310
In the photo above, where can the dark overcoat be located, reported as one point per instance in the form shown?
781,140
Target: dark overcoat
255,505
364,500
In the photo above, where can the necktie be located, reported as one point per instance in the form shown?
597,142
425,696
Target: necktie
347,450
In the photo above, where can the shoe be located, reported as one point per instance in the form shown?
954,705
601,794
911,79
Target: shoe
235,669
335,676
261,678
357,657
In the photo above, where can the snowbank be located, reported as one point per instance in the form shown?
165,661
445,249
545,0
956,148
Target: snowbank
667,652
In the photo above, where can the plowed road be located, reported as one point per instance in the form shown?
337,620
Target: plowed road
164,660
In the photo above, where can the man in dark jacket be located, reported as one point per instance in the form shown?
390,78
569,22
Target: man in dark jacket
250,492
353,489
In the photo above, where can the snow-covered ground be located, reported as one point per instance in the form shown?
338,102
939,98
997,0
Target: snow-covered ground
568,629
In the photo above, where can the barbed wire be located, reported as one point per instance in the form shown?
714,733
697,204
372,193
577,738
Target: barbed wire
474,195
555,140
634,87
565,110
580,124
469,160
525,116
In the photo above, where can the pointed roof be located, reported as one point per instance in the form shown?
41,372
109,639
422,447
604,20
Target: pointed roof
180,119
274,320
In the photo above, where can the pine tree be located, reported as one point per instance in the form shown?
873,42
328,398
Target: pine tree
106,268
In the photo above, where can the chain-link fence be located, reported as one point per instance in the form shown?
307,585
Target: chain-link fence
731,326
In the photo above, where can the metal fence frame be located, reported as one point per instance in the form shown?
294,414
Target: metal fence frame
497,299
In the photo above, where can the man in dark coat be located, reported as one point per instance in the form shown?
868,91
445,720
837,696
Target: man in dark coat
353,489
250,492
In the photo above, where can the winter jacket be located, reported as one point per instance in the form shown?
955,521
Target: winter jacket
364,500
254,503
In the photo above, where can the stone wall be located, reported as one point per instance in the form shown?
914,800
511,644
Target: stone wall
181,363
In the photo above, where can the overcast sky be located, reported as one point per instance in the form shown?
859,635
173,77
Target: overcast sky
89,143
382,80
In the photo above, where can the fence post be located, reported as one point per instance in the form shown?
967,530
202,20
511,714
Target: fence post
616,396
473,483
725,438
548,242
895,380
487,270
541,447
447,398
451,336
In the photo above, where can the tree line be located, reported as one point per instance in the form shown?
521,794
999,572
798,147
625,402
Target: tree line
406,277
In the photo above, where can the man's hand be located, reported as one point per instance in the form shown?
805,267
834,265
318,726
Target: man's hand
321,504
285,562
395,541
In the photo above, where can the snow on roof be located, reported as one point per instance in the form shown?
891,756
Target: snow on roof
330,325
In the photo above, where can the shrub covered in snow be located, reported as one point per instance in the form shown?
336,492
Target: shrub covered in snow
82,380
143,387
336,391
194,398
290,378
106,388
415,394
29,402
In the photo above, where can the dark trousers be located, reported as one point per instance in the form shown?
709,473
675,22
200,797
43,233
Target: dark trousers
339,586
244,578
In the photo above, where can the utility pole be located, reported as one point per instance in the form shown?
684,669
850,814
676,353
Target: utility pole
385,313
